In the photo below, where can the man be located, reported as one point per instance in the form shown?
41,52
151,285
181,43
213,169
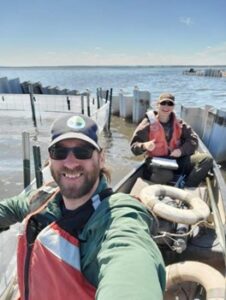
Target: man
161,134
81,241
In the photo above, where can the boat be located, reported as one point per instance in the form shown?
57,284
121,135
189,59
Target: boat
190,227
190,233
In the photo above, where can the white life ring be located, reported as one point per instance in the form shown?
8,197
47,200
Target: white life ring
197,208
211,279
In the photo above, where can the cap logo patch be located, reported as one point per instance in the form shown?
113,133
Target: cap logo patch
76,122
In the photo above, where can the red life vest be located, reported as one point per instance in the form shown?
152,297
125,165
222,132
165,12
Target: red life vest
156,132
50,267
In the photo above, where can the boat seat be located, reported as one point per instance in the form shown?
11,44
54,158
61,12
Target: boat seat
138,186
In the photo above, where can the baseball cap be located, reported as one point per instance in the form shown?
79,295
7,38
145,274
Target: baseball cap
166,97
76,126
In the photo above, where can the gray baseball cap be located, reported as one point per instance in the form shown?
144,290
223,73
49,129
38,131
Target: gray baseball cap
76,126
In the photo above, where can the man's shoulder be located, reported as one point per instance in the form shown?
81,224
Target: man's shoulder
125,201
114,211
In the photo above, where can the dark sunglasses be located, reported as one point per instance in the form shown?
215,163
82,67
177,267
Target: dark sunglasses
59,153
169,103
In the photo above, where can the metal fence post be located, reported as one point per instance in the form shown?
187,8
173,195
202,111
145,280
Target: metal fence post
26,158
38,166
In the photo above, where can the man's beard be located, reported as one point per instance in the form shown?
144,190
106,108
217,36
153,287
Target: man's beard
74,191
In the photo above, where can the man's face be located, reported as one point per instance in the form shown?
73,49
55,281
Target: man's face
76,177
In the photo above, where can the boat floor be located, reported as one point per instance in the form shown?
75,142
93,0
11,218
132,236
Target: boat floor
203,246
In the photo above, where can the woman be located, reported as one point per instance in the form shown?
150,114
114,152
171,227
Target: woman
162,134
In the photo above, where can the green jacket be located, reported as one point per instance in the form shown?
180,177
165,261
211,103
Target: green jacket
118,256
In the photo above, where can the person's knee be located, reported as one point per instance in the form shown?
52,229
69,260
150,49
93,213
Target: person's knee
210,159
202,160
203,165
207,161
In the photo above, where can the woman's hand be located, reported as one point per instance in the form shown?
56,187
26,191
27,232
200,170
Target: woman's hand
149,146
176,153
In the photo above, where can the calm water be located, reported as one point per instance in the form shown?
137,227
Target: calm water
191,90
188,90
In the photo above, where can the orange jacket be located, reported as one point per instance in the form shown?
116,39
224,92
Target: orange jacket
157,132
52,262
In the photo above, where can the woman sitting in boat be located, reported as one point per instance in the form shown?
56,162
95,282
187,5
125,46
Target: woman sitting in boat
162,134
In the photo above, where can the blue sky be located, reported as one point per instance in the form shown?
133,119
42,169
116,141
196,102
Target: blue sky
112,32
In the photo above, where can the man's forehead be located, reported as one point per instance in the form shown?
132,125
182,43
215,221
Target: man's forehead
73,142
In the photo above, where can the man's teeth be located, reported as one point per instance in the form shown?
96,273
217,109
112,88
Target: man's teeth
72,175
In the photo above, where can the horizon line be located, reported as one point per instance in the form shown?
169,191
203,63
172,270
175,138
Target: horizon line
112,66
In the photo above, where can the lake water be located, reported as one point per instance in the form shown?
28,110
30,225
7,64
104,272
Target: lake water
188,90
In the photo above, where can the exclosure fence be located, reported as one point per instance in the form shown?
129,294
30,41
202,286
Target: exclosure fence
43,104
39,107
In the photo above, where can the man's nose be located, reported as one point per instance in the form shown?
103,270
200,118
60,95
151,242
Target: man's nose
71,159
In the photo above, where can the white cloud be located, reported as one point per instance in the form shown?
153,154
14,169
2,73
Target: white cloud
186,20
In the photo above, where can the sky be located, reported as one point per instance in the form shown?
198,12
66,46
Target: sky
112,32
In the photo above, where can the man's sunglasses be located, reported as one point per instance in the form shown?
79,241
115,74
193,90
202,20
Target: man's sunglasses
169,103
60,153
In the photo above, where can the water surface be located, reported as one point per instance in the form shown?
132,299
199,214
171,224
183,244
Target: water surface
188,90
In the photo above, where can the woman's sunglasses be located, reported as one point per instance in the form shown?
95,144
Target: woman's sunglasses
60,153
169,103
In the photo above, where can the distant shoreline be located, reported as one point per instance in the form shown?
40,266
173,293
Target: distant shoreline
113,66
